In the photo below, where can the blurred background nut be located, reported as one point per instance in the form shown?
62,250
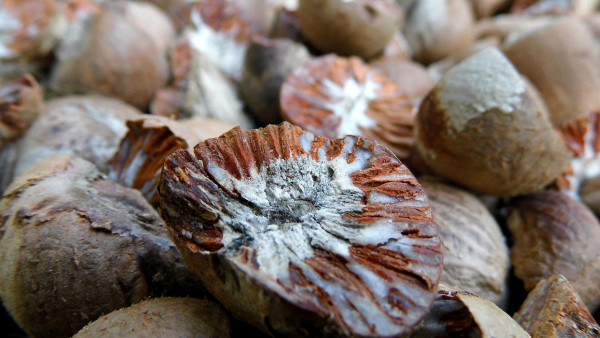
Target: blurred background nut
266,66
115,52
361,28
487,8
21,102
76,245
89,127
163,317
554,7
436,29
334,97
409,75
485,128
475,251
555,234
554,309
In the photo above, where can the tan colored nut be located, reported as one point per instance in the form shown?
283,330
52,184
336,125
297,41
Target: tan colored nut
507,27
561,60
142,152
436,29
409,75
266,66
475,251
349,28
457,313
76,245
301,235
163,317
554,7
21,102
555,234
335,97
554,309
116,53
485,128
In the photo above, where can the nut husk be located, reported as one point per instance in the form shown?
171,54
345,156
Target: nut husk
360,28
76,245
486,129
475,251
555,234
163,317
554,309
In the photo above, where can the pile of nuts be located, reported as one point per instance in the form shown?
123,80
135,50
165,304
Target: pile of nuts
300,167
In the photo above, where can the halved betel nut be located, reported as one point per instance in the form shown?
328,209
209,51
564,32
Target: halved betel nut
335,97
298,234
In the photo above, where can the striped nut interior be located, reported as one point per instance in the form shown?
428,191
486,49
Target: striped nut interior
337,227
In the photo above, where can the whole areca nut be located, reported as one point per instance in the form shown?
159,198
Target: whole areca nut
21,102
298,234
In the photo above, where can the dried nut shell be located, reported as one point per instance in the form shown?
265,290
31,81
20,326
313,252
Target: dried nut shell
142,152
301,235
458,313
554,309
267,64
334,97
554,7
561,60
163,317
76,245
21,102
475,251
436,29
361,27
484,128
89,127
555,234
112,53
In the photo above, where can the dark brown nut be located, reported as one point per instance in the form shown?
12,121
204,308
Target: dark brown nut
561,60
555,234
21,102
361,27
116,52
266,66
487,8
554,309
287,25
301,235
89,127
334,97
554,7
142,152
76,245
163,317
206,91
409,75
436,29
485,128
457,313
475,251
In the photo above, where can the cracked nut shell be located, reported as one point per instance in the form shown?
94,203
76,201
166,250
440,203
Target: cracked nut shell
301,235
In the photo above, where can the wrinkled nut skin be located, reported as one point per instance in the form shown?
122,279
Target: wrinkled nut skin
494,149
246,193
75,246
555,234
114,54
163,317
554,309
361,28
457,313
21,102
475,251
267,64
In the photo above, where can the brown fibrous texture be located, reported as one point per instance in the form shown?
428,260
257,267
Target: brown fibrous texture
163,317
21,102
301,235
554,309
361,28
76,245
475,251
139,160
555,234
334,97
